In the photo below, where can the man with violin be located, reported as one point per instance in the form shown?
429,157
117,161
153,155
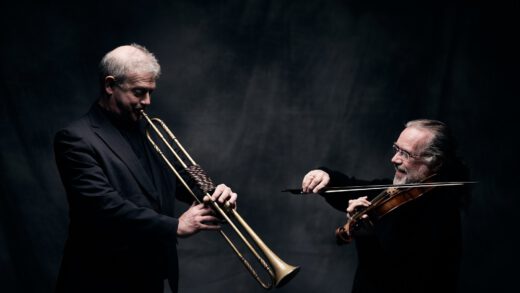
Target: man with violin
408,239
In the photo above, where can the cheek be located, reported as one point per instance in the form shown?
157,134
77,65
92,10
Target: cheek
423,171
424,167
414,168
127,101
133,101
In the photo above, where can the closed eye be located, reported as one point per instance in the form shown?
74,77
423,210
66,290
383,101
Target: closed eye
140,92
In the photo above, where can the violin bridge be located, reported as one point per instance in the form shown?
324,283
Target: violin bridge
392,191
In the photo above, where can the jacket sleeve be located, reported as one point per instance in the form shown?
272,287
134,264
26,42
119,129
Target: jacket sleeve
95,203
340,200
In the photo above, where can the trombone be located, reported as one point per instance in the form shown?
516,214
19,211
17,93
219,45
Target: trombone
279,271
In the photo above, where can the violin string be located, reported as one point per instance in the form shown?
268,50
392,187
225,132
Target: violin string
380,187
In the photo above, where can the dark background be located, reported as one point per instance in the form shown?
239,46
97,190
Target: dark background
261,92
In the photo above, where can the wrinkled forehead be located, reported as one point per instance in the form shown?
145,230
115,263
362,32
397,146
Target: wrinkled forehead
414,139
141,78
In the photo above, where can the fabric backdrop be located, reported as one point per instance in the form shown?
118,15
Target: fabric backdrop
260,92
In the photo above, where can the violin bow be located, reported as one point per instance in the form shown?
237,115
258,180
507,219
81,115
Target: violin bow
342,189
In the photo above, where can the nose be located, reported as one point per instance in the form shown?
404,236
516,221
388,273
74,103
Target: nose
146,100
396,159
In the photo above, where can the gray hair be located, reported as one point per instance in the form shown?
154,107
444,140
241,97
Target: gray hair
120,68
443,151
442,146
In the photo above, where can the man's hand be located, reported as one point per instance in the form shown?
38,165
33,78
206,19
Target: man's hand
224,196
197,217
201,216
353,204
314,181
360,226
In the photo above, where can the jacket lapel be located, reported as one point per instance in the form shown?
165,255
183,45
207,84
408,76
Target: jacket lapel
121,148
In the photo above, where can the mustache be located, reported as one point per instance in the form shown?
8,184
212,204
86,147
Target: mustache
138,109
399,169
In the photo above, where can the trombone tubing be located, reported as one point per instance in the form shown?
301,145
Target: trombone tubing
275,278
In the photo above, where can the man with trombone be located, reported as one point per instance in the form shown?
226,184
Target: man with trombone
122,232
407,238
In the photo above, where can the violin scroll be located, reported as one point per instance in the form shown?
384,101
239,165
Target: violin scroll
357,225
343,235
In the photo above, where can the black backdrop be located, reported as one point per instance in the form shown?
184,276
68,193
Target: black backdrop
261,92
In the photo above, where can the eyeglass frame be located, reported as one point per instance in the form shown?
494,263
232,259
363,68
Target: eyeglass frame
406,154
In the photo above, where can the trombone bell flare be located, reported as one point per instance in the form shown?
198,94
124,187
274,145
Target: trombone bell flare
279,271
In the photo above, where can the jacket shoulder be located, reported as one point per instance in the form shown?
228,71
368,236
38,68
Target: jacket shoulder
77,130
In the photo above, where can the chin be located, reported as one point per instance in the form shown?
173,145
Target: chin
400,179
134,117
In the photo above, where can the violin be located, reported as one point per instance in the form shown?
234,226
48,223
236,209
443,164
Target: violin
392,197
387,201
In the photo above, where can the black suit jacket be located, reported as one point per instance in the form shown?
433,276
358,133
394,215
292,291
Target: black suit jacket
413,249
122,232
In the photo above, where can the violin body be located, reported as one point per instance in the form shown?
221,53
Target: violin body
393,199
384,203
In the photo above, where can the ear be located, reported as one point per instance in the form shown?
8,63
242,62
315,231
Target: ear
110,82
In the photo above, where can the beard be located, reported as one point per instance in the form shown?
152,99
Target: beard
405,176
399,180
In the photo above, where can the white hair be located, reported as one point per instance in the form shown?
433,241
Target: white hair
120,68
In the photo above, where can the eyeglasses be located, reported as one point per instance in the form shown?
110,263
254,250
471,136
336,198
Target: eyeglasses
404,154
